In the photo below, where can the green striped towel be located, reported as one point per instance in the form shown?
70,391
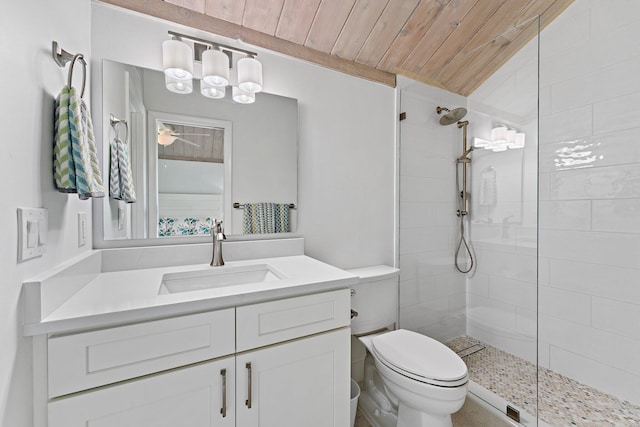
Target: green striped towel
64,171
76,167
120,175
263,218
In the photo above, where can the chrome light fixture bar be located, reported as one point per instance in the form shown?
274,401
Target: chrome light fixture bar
217,59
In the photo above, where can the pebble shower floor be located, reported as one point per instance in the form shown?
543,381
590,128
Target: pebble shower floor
563,401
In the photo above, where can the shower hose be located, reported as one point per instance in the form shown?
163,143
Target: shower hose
462,212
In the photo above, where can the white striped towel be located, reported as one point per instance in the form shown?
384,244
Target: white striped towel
120,175
76,168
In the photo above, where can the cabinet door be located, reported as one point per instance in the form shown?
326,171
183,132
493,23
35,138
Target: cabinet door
300,383
187,397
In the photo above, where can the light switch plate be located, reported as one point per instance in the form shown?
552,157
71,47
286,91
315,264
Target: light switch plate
32,233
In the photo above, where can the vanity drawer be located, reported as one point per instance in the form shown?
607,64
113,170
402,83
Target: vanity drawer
268,323
90,359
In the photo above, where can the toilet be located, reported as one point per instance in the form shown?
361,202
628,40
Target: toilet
409,379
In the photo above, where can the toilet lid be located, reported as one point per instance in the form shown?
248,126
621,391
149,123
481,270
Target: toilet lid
420,357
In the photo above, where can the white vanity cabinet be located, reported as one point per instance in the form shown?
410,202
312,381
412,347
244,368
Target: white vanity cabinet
188,397
301,383
281,363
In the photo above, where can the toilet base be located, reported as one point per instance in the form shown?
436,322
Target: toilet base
410,417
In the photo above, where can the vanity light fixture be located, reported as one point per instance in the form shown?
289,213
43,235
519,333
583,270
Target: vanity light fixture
216,59
502,138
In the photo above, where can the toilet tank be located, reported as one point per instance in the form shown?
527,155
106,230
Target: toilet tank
374,298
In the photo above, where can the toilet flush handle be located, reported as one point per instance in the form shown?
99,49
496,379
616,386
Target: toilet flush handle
354,313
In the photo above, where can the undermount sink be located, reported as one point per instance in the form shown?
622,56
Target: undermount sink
217,277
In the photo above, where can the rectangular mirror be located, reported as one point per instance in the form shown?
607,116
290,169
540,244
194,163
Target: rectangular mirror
192,158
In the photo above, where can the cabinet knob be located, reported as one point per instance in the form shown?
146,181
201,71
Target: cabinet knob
354,313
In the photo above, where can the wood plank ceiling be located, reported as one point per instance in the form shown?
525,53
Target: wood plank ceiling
452,44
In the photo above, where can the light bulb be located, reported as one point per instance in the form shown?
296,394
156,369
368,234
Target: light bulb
211,91
178,86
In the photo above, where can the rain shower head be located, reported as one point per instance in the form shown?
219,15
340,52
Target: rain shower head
451,116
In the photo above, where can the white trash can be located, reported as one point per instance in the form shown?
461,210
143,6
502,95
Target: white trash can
355,394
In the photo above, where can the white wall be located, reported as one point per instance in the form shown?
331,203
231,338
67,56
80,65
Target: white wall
346,141
590,210
177,176
30,81
432,291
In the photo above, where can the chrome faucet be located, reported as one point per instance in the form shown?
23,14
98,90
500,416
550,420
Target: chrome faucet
218,237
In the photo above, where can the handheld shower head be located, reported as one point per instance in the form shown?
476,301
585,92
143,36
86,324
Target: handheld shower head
451,116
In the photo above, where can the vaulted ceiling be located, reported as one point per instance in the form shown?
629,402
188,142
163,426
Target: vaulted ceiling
452,44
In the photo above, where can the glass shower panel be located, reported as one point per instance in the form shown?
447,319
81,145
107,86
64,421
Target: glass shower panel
501,309
589,219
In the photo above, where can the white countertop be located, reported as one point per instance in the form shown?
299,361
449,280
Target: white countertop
119,297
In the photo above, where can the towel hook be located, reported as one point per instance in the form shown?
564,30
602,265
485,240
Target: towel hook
77,57
115,124
62,57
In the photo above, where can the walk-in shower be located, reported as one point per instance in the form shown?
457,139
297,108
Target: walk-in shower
455,116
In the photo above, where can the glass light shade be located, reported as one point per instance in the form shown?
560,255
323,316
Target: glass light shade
180,86
250,75
166,139
518,141
481,143
242,97
215,67
511,136
499,134
177,60
499,147
212,91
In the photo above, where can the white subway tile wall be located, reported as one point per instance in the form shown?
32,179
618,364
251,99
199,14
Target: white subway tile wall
590,211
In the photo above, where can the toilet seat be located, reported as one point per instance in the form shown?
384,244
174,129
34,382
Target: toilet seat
407,353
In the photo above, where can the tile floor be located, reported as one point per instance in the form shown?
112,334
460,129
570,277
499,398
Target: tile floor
563,401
